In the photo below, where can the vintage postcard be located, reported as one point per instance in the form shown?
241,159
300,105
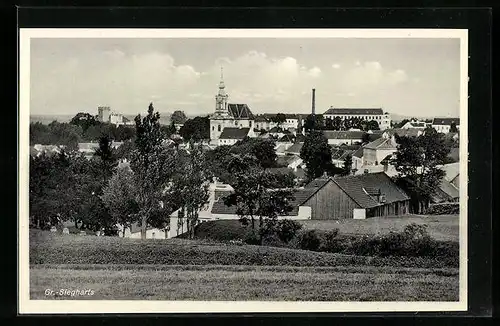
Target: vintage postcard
206,170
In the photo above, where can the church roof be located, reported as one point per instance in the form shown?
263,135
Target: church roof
240,111
234,133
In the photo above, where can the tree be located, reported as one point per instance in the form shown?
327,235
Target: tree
120,198
192,186
196,129
169,130
317,154
154,167
254,193
279,119
347,166
313,122
417,161
178,117
402,123
84,120
370,125
262,149
453,127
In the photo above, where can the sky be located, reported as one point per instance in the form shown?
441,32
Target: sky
410,77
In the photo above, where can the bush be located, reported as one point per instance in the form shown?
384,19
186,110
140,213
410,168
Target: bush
331,243
284,230
309,240
252,238
443,208
272,240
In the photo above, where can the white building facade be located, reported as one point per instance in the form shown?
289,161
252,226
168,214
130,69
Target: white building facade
382,118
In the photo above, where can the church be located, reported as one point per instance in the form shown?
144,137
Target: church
228,117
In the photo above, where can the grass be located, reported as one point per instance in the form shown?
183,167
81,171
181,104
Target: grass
262,283
179,269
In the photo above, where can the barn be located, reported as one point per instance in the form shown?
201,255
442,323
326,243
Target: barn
356,196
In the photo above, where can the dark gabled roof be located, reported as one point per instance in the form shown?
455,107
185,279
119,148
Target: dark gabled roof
317,183
234,133
449,189
300,197
358,153
357,188
359,111
295,148
418,124
288,138
445,121
329,134
454,154
240,111
260,118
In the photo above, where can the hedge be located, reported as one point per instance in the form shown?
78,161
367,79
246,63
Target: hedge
443,209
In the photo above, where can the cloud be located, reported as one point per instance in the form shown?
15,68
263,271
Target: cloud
315,72
336,66
371,73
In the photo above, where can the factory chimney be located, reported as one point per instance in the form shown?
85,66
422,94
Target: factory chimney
313,101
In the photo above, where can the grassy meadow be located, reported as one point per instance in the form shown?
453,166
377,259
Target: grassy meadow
179,269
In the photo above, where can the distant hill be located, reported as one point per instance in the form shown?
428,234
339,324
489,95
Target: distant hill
400,117
48,118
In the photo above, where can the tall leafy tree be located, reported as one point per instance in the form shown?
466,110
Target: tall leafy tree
262,149
119,196
317,154
84,120
192,185
254,193
279,119
196,129
418,161
347,166
314,122
178,117
155,167
453,127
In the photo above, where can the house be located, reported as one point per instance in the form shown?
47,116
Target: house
294,149
231,136
414,124
376,114
300,211
39,149
134,232
339,155
357,160
343,137
356,196
389,133
443,125
377,150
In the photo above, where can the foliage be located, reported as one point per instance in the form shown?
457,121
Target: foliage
196,129
313,122
178,117
317,154
48,248
309,240
191,185
120,198
331,241
417,160
253,193
154,166
453,127
279,119
347,166
443,209
284,230
262,149
84,120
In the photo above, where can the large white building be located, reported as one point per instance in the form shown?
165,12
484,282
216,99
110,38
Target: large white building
104,114
382,118
443,125
228,115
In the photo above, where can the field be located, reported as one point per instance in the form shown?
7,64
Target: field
178,269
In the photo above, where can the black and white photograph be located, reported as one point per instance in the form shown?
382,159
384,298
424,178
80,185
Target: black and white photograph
243,170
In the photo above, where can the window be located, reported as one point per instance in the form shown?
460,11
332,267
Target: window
213,128
236,122
218,127
250,124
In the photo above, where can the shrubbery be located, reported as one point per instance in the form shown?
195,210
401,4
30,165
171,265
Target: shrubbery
284,230
443,208
308,240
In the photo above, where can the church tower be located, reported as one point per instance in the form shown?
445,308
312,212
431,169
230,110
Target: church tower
221,118
221,97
